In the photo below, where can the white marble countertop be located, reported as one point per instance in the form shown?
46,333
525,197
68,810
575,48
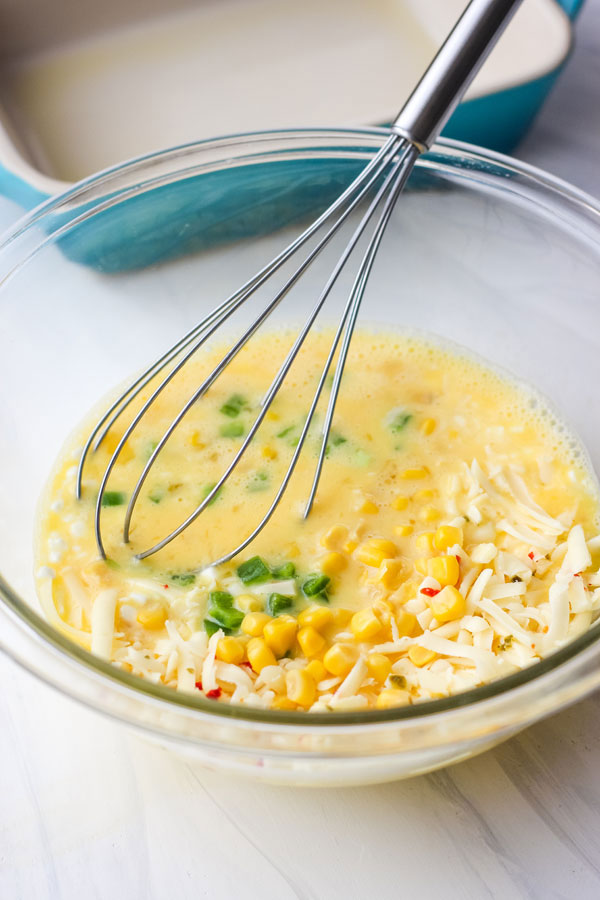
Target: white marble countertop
86,811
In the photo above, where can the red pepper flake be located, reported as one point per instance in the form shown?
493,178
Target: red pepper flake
166,586
430,592
531,554
199,685
457,558
214,694
246,663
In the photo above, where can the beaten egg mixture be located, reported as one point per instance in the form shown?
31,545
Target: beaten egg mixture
453,539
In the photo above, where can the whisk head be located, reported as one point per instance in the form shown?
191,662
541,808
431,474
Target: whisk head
376,188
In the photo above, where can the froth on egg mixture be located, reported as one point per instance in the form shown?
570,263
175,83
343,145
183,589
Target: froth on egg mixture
453,539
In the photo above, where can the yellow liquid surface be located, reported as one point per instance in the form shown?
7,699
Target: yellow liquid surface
452,509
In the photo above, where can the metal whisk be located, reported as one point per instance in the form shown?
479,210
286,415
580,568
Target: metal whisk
413,132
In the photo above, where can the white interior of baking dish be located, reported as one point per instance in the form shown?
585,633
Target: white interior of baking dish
84,86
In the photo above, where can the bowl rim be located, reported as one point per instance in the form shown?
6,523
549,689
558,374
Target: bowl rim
77,657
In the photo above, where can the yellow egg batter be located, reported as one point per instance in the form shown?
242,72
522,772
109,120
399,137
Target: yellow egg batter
452,539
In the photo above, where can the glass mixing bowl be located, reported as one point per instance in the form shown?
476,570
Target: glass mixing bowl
481,250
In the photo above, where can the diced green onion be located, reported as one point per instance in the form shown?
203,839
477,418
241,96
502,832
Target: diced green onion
210,627
258,482
361,458
184,579
277,603
400,421
156,496
315,584
234,406
253,571
231,430
228,618
286,431
222,599
285,570
336,438
149,449
111,563
113,498
206,491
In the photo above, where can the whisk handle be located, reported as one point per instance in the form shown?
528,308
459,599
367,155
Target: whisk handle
452,70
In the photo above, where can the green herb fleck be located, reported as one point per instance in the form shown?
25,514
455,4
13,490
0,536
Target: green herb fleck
253,571
258,482
111,563
315,585
227,618
398,681
206,491
113,498
156,495
231,430
234,406
184,579
210,627
277,603
400,421
285,570
222,599
149,449
506,642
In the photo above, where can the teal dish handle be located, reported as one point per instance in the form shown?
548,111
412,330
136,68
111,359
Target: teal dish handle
571,7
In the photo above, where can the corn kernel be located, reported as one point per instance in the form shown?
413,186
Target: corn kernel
280,634
269,452
400,502
420,656
365,624
249,603
444,569
254,623
301,687
341,616
391,697
292,551
111,442
429,514
272,416
283,703
425,542
421,566
406,623
259,654
152,617
230,650
340,658
414,474
318,617
379,666
317,670
333,563
406,592
373,551
403,530
449,604
350,546
447,536
333,538
311,642
367,506
424,494
428,426
390,573
196,441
